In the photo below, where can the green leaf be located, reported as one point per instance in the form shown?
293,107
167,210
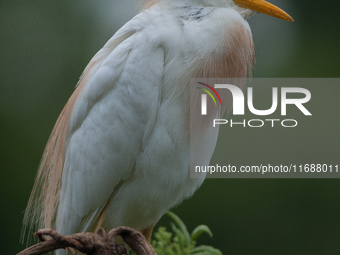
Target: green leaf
180,237
200,230
181,225
204,249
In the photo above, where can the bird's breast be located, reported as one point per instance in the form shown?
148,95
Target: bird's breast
214,43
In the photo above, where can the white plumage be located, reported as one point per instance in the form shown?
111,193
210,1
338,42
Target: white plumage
120,149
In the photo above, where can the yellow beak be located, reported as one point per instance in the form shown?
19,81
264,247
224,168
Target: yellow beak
264,7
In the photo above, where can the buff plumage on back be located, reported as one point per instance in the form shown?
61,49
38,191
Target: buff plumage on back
41,209
148,4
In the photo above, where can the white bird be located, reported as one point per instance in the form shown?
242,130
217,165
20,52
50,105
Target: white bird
119,152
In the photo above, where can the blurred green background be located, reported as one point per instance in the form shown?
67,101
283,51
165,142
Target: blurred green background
45,45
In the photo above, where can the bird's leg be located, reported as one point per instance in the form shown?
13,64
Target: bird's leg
101,217
102,214
147,232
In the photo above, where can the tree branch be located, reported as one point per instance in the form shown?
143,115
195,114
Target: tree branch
90,243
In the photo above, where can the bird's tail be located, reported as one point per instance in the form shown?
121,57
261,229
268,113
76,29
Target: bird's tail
44,199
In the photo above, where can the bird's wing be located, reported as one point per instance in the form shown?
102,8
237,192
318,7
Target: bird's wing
111,120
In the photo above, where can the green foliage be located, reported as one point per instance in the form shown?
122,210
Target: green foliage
181,242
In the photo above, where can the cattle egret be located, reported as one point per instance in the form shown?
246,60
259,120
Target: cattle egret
118,154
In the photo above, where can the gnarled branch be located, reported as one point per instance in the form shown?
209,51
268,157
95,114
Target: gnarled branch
90,243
